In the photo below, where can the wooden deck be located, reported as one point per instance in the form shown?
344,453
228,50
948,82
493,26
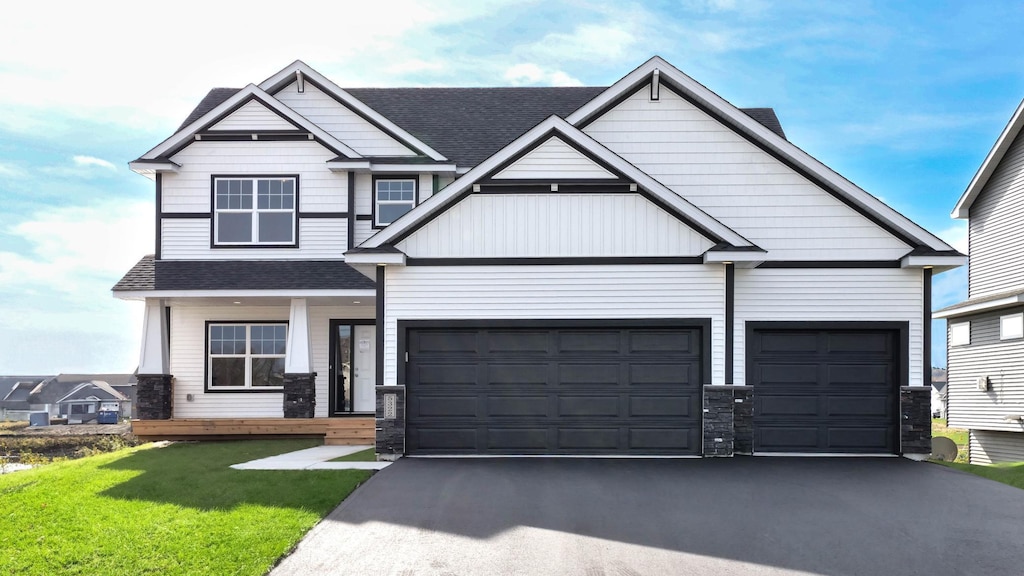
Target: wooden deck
347,431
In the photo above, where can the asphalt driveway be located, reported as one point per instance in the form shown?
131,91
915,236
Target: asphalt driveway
885,516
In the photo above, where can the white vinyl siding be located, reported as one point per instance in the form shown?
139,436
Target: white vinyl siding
554,292
253,117
341,122
554,225
189,239
830,295
187,359
738,183
994,447
995,228
552,160
998,360
188,191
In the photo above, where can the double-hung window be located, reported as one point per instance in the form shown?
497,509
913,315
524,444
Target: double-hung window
246,356
254,211
393,197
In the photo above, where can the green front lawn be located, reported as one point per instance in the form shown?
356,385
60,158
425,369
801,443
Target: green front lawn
368,455
1012,473
173,510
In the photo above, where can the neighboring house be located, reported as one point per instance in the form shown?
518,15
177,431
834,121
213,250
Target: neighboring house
985,333
14,396
637,269
85,402
939,392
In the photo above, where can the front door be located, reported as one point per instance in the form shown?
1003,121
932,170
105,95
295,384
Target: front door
352,367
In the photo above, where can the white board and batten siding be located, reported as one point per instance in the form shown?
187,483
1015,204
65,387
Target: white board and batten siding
341,122
188,190
996,230
554,293
554,225
1002,362
737,183
554,159
988,447
188,359
252,117
830,295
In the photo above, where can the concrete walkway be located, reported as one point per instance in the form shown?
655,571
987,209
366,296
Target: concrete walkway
316,458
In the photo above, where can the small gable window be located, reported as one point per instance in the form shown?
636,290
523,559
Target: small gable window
960,334
1011,326
393,197
254,211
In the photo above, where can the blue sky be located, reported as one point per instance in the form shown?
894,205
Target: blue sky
903,98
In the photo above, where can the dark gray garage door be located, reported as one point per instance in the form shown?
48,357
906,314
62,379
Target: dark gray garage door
826,390
572,390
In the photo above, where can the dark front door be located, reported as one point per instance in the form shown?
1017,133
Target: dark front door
340,343
578,389
824,390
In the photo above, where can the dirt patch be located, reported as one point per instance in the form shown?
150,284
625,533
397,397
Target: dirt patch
71,430
44,444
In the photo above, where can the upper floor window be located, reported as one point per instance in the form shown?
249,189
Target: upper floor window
1011,326
392,197
258,211
960,334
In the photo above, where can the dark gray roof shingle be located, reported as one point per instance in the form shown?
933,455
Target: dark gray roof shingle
150,274
468,125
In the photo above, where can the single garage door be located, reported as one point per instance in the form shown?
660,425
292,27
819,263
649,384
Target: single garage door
553,390
828,390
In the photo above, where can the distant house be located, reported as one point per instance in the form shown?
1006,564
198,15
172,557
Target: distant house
14,396
986,332
84,403
938,392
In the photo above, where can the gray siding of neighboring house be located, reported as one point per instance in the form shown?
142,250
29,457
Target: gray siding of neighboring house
993,447
1003,362
997,228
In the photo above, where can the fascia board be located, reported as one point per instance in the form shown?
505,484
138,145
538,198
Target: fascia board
938,262
995,155
980,307
143,294
553,123
768,138
251,90
285,75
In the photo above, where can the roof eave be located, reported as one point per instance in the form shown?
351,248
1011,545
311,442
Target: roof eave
995,155
958,310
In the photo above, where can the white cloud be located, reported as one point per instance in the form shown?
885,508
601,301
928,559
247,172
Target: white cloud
88,161
11,171
588,42
527,74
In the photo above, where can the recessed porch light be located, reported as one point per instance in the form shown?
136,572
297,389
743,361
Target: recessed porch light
236,302
355,301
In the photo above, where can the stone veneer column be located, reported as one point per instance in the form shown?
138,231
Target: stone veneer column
299,395
153,396
728,420
915,420
390,443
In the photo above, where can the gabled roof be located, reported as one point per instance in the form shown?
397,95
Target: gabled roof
438,203
50,390
995,156
183,136
769,141
98,389
468,125
300,70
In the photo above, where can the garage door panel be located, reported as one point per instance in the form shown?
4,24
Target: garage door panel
838,395
518,342
589,391
661,406
518,406
604,439
533,374
661,341
517,439
588,342
584,406
445,374
434,341
589,374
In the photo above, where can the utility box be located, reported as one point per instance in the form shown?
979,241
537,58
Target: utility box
39,419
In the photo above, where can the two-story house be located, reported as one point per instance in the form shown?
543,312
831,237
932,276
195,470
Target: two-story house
635,269
985,333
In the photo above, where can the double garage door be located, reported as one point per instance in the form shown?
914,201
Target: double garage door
609,388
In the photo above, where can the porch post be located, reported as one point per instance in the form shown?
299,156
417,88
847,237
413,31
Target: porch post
299,378
154,392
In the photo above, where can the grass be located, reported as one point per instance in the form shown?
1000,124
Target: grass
1012,473
368,455
957,435
164,510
